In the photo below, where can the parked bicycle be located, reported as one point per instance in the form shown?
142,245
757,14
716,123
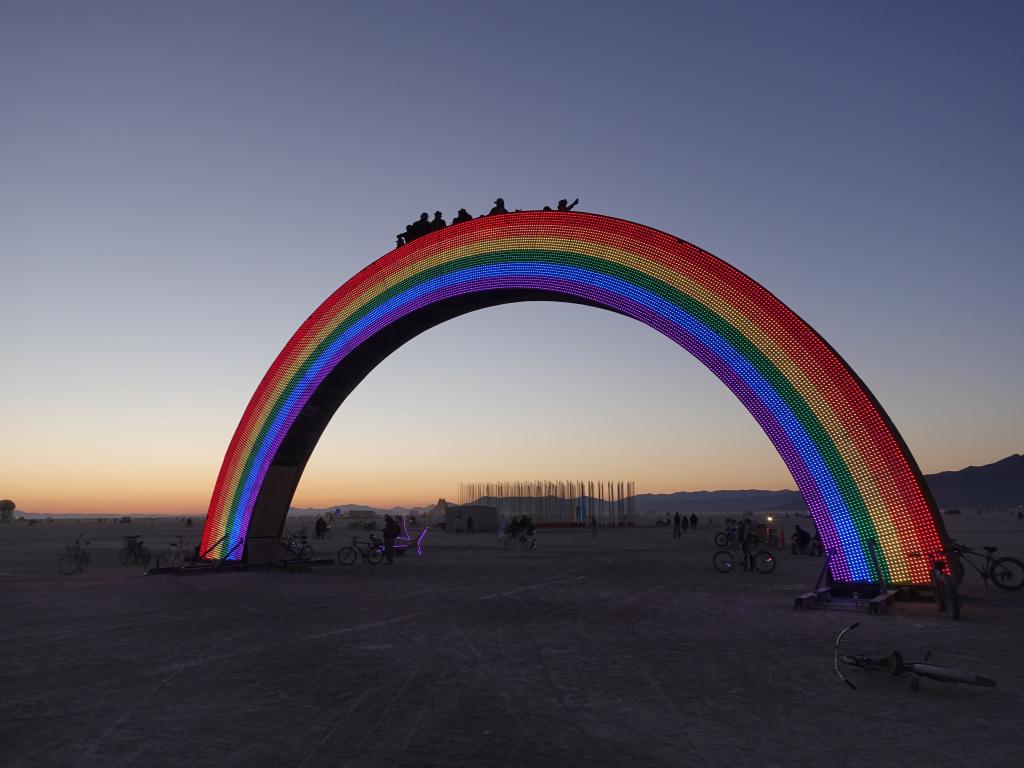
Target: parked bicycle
371,551
133,550
729,537
760,560
1005,572
294,546
176,553
75,559
895,665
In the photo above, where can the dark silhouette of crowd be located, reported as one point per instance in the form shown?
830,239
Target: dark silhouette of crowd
425,225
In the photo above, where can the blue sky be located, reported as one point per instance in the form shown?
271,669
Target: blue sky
181,184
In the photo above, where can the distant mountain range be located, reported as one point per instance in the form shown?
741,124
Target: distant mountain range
1000,484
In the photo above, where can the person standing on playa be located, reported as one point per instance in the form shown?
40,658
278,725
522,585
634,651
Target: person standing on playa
593,527
677,532
391,531
469,525
685,523
693,520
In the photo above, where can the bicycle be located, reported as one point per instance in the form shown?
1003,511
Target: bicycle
763,561
294,547
895,665
75,559
1005,572
728,537
943,584
371,551
175,555
133,550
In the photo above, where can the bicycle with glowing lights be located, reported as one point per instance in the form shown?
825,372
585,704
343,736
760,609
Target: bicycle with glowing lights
760,560
894,664
293,547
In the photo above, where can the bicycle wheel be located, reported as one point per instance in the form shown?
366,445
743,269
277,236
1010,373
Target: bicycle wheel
1007,573
764,561
143,554
306,552
946,593
723,561
124,556
374,555
721,539
951,675
67,564
347,556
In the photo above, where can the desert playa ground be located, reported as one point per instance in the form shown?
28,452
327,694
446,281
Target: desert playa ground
627,650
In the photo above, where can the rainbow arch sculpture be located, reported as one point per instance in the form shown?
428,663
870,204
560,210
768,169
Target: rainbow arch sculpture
856,474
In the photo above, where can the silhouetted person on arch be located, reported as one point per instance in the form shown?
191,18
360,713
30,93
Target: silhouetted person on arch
438,221
499,207
421,226
461,216
563,204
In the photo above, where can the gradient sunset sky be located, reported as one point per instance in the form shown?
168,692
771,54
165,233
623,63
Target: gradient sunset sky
181,184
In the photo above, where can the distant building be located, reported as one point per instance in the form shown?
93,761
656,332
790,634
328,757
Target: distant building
484,518
360,514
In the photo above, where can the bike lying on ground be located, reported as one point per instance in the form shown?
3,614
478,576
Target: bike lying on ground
895,665
760,560
133,551
75,559
371,551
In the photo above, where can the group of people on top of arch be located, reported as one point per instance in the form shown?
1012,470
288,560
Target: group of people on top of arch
425,224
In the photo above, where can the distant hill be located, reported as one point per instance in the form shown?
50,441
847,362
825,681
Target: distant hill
1000,484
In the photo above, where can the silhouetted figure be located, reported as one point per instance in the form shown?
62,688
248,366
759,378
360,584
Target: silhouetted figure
437,222
593,526
499,207
748,540
320,528
563,204
391,531
800,540
684,523
693,521
677,532
817,548
461,216
547,208
421,226
469,525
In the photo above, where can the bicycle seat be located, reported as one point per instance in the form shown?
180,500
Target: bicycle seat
991,549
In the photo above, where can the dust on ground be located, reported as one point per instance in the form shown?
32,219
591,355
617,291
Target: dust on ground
624,650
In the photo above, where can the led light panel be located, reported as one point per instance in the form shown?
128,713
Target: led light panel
854,471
